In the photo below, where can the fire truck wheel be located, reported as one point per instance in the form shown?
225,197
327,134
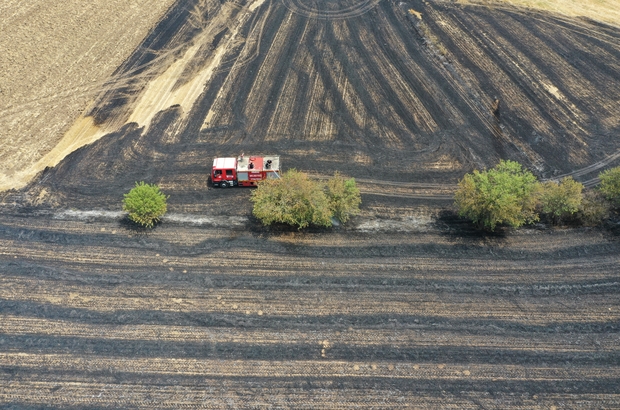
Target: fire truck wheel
224,184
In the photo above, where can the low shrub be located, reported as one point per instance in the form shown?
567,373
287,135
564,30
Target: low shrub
344,197
506,194
294,199
146,204
560,200
610,185
594,209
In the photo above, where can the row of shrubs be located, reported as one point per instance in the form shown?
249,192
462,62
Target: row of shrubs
293,199
510,195
507,194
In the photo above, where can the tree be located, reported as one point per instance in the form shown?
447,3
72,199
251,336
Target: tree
146,204
504,194
560,200
344,197
610,185
293,199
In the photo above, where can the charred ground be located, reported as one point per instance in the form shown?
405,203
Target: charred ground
213,314
406,306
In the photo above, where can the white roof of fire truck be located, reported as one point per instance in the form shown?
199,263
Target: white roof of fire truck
225,163
249,163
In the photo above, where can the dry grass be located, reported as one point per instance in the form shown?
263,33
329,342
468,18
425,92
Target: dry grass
607,11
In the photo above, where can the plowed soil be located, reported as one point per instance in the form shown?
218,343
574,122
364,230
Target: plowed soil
406,306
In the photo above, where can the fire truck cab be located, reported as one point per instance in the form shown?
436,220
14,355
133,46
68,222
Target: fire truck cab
244,171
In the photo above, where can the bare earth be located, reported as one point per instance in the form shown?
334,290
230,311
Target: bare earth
405,306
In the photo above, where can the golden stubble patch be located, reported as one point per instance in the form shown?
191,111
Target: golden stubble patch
602,10
83,132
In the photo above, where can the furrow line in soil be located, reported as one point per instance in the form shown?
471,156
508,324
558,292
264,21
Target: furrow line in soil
421,337
301,368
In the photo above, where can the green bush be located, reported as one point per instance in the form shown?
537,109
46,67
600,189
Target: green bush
293,199
344,197
610,185
594,209
146,204
561,200
506,194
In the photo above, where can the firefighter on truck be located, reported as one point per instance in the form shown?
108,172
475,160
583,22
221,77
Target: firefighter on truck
244,171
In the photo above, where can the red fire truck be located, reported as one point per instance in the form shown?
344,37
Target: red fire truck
244,171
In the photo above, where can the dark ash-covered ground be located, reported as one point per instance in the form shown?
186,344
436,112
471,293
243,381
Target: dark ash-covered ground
95,315
407,305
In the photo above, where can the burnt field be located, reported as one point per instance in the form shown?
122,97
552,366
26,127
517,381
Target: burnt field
406,306
95,315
